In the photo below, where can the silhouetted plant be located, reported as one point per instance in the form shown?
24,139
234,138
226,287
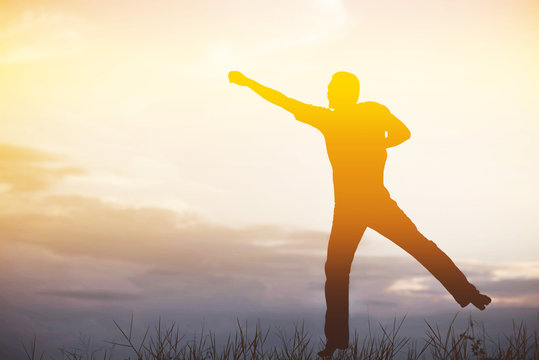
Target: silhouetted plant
167,342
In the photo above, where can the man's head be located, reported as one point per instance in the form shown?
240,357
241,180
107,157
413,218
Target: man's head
343,90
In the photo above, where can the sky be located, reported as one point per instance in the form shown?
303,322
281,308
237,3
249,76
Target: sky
135,179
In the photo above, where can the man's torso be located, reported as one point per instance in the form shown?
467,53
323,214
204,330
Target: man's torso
355,142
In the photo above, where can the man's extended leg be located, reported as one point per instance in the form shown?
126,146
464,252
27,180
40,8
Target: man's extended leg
346,233
390,221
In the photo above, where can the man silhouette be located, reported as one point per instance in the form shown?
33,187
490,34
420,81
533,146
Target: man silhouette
357,136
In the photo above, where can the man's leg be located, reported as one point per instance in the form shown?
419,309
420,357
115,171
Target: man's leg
346,233
390,221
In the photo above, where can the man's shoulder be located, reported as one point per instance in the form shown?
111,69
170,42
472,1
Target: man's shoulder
373,109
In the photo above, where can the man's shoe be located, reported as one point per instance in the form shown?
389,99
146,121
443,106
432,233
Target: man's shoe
477,299
480,301
329,350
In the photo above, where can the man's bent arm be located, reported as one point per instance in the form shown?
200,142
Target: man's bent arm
397,132
271,95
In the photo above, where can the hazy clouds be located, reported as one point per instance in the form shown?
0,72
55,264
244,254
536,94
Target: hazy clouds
72,262
24,169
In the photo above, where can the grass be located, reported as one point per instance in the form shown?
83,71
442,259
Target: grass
167,342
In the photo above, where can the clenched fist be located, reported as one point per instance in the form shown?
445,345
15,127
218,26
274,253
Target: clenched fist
236,77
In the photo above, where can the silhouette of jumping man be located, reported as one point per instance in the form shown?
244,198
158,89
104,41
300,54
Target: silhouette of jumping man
357,136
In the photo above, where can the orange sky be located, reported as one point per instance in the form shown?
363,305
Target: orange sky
136,95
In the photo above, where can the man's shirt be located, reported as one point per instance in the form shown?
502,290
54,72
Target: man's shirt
355,141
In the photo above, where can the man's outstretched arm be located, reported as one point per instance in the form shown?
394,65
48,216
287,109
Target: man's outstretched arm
271,95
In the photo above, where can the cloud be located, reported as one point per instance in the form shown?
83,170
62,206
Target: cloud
131,254
166,252
516,287
151,255
77,263
25,169
65,257
81,226
100,295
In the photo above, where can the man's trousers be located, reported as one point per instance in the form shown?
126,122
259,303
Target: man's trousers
382,214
